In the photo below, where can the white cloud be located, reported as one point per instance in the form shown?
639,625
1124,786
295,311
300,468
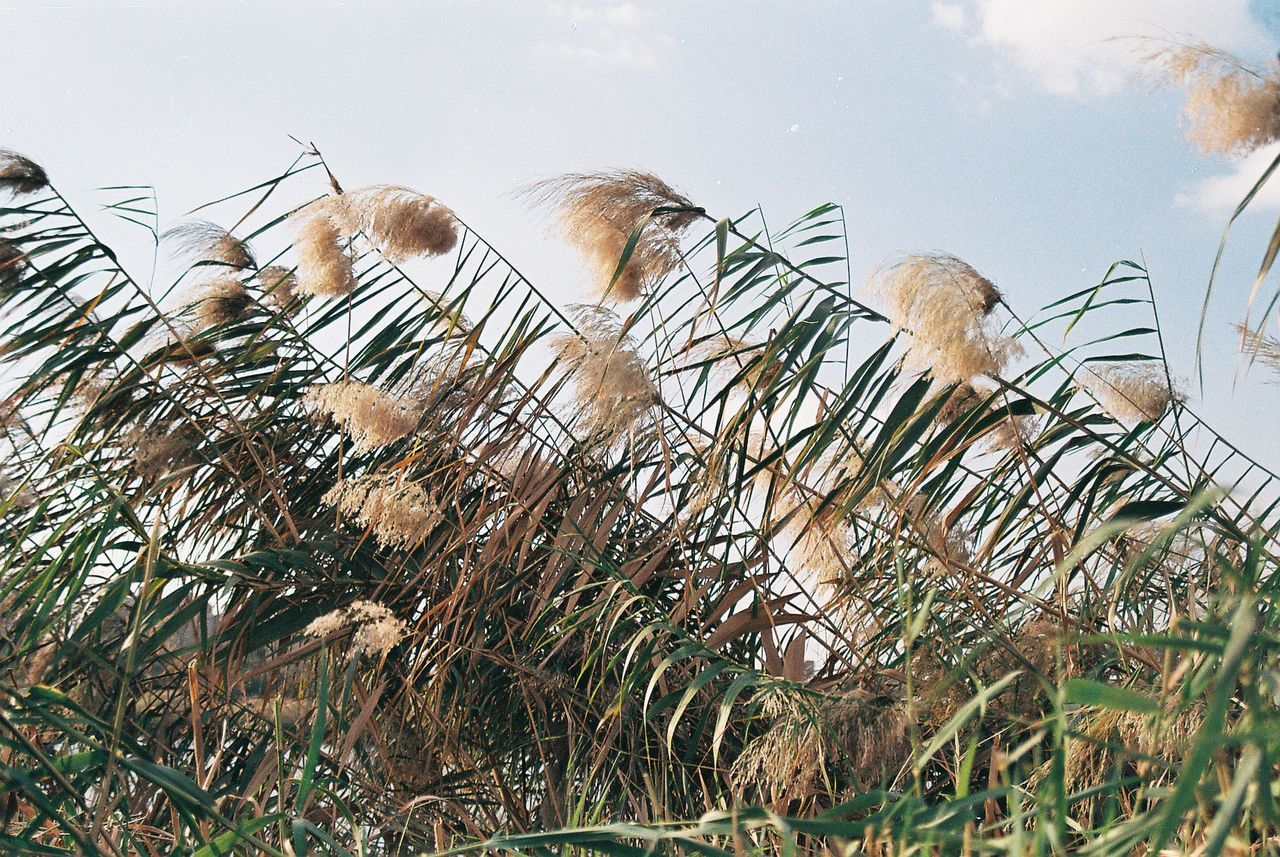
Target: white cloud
1218,195
605,35
950,16
1077,46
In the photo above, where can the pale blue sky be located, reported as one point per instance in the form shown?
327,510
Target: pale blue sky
1008,132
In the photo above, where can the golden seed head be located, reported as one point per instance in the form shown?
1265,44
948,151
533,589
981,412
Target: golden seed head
945,305
325,267
1131,392
368,415
400,514
20,175
1232,108
597,213
400,222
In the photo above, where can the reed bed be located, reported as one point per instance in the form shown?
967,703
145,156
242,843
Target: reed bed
366,546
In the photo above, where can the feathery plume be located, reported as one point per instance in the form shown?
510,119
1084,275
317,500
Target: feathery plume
19,174
219,300
597,213
18,494
399,221
12,261
1232,107
868,738
1260,348
614,390
205,242
377,629
156,451
399,514
371,417
325,268
1132,392
946,307
279,284
37,662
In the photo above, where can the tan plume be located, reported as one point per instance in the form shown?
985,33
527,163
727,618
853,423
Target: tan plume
946,306
219,300
1232,107
377,629
205,242
371,417
400,514
597,213
402,223
1131,391
614,390
19,174
325,266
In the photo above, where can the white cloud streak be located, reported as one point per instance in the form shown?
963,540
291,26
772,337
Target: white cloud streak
1219,194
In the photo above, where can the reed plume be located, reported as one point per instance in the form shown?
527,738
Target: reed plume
1260,348
399,221
219,300
12,261
377,629
279,284
1132,392
1232,107
205,242
400,514
946,307
614,390
21,175
368,415
156,451
325,267
597,212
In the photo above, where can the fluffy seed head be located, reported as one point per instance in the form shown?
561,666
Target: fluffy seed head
868,739
1132,392
377,629
325,268
19,174
946,306
12,261
219,300
156,451
400,222
279,284
614,390
597,212
1260,348
1232,107
204,242
371,417
399,514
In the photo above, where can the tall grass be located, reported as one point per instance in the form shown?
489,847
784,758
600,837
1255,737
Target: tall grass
346,539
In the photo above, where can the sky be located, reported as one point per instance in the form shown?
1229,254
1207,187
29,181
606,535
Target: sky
1017,135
